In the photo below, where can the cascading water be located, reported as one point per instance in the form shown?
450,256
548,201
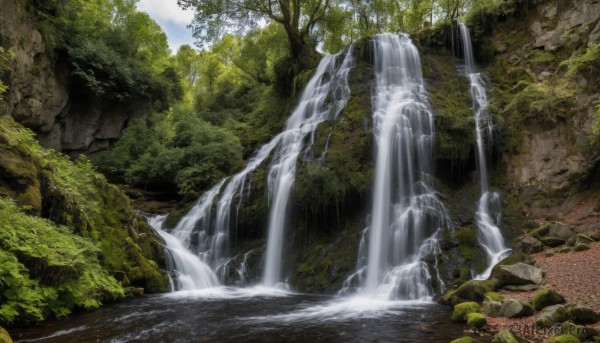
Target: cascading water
190,271
406,216
323,98
205,234
489,206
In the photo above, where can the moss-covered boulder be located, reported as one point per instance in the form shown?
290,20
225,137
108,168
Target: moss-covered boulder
476,320
494,296
473,290
564,339
546,297
504,336
464,340
584,315
512,308
490,307
518,274
552,314
4,336
581,247
583,333
462,310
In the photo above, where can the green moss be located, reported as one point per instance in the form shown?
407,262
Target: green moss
462,310
467,238
4,336
463,340
494,296
476,320
505,336
564,339
589,61
473,290
546,297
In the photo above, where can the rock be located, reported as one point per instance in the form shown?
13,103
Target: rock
571,241
583,333
491,307
564,339
518,274
133,291
4,336
581,247
584,315
505,337
560,231
552,241
564,250
552,314
465,339
494,296
595,236
584,239
529,245
546,297
476,320
521,288
512,308
462,310
473,290
549,252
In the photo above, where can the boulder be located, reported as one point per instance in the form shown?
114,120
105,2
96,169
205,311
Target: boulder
473,290
529,245
476,320
584,239
546,297
465,339
494,296
512,308
583,315
581,247
462,310
552,241
552,314
518,274
560,231
504,337
491,307
564,339
521,288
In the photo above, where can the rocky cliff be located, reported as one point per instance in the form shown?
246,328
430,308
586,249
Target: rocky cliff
45,97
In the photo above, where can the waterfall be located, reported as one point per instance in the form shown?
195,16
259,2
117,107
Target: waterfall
406,216
489,210
189,270
323,98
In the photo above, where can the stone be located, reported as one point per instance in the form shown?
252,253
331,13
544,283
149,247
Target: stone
133,291
552,314
518,274
583,333
4,336
546,297
584,239
476,320
473,290
564,339
494,296
560,231
552,241
529,245
571,241
549,252
584,315
465,339
512,308
491,307
505,336
521,288
462,310
564,250
581,247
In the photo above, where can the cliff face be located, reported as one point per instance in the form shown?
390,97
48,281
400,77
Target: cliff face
46,98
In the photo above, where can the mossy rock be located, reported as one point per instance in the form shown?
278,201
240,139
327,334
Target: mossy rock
462,310
596,339
552,241
4,336
583,333
584,315
546,297
581,247
540,232
473,290
476,320
465,339
552,314
505,336
494,296
564,339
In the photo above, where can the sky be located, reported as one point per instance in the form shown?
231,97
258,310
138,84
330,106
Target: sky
172,19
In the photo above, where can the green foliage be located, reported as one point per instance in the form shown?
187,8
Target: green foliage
46,270
5,59
588,62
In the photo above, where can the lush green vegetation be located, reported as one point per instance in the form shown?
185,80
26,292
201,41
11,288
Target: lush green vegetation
68,260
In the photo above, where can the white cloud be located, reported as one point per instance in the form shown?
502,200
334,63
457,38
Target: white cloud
166,11
172,19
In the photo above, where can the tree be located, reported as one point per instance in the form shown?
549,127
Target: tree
187,60
298,18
